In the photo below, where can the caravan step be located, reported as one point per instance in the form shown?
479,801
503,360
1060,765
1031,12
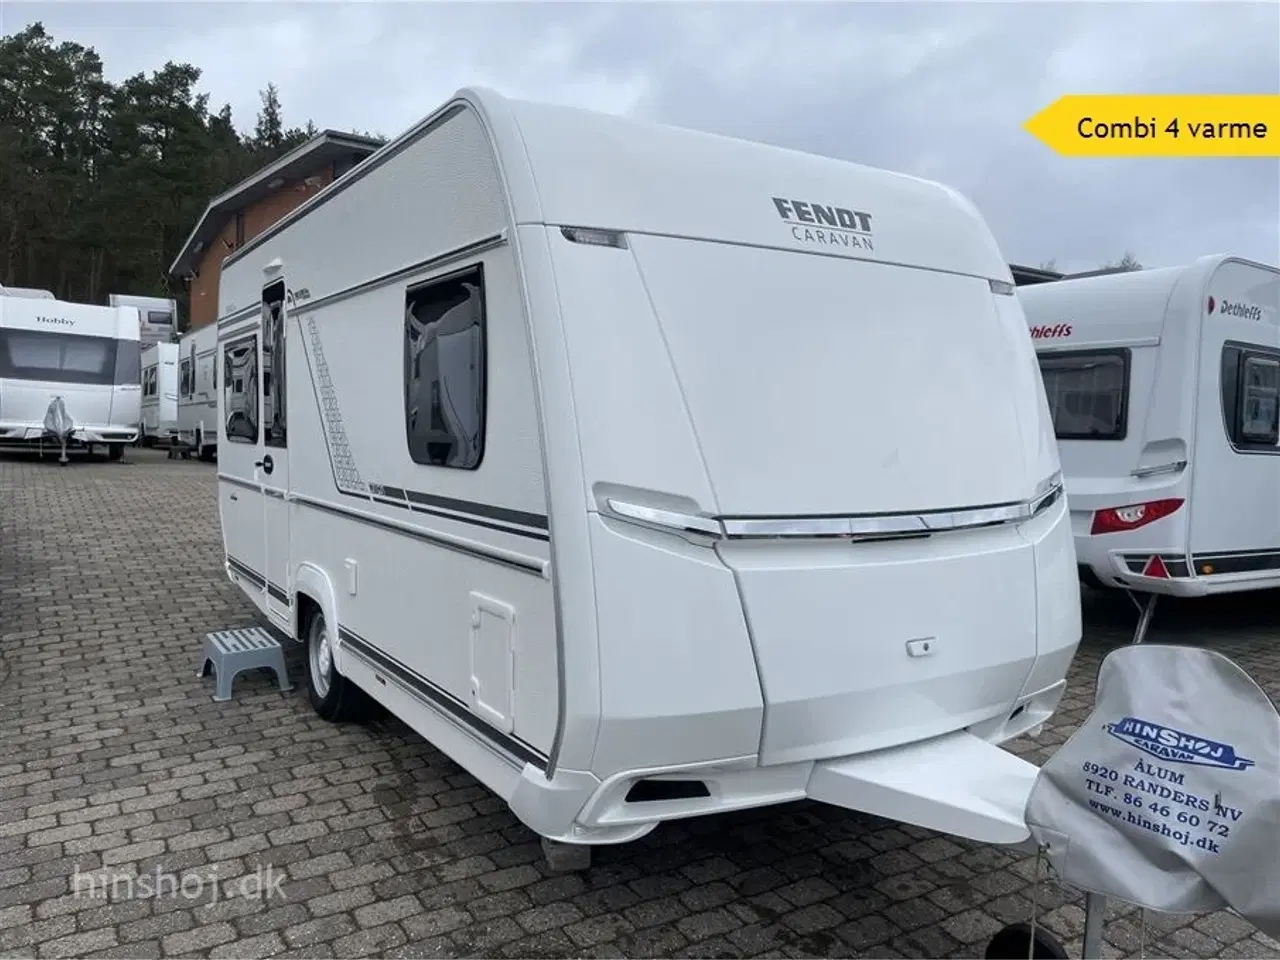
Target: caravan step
231,652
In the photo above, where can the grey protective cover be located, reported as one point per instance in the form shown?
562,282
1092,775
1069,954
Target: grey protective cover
56,419
1168,795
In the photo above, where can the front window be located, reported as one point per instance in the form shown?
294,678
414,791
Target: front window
68,358
1087,392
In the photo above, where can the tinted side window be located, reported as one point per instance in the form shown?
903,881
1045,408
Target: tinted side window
275,421
184,378
240,389
1087,392
444,370
1251,397
128,361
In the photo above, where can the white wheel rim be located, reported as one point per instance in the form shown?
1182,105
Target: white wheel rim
321,658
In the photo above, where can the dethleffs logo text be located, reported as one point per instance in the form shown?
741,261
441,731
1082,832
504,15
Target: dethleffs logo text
1245,311
1047,332
825,224
1175,746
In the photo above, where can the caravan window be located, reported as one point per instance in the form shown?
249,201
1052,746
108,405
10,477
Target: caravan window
1088,393
444,370
240,390
1251,397
184,378
66,358
128,361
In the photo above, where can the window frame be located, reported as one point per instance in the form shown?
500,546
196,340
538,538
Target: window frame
1125,356
472,271
1234,360
252,340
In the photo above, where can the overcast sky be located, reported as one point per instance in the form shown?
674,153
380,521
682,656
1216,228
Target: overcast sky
937,89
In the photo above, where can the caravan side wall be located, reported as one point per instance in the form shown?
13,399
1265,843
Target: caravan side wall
1234,541
459,555
197,400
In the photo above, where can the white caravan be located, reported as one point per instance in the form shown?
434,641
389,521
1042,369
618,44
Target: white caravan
1163,386
29,292
158,315
198,422
652,474
88,356
159,393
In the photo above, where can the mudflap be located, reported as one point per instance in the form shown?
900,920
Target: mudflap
956,784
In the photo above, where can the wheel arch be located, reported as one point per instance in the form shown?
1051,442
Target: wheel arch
312,587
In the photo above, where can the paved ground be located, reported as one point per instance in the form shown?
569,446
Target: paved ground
377,844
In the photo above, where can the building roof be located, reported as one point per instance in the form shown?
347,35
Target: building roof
325,147
1023,276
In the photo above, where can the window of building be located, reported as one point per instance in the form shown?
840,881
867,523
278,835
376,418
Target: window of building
444,370
1088,393
240,393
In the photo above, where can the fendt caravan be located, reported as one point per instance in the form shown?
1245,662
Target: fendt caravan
1163,387
197,391
651,474
159,393
72,364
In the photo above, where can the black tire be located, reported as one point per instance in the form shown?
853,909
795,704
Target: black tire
333,696
1014,942
115,451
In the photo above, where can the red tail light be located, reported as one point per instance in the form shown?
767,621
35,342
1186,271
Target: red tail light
1118,519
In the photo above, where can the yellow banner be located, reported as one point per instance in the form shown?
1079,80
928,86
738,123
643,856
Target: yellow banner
1160,125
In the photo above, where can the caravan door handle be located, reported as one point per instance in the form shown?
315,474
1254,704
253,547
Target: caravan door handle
266,463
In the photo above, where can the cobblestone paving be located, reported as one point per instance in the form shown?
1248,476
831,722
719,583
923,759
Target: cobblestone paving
376,844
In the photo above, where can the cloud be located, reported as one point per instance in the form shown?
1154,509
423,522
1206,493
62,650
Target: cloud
938,89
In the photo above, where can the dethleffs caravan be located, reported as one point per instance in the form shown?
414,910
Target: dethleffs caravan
77,361
1163,386
650,473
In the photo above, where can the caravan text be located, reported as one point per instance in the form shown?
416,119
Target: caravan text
826,224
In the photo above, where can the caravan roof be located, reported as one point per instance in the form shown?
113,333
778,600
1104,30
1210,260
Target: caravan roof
568,166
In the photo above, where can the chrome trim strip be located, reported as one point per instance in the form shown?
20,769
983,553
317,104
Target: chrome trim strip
248,485
858,526
1175,466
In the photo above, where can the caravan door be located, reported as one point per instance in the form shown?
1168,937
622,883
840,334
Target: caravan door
240,497
273,468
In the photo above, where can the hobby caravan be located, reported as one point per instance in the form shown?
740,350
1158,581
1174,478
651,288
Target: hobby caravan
514,446
69,375
197,427
159,393
1163,387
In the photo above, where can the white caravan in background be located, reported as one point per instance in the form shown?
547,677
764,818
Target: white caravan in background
29,292
198,422
86,356
1163,386
158,316
647,473
159,393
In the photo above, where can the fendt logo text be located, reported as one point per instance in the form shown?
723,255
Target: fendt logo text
826,224
1047,332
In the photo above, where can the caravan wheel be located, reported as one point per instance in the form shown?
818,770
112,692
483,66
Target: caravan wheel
333,697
